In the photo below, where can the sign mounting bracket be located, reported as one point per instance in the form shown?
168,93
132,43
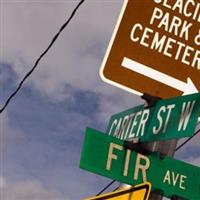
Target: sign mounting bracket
151,100
136,147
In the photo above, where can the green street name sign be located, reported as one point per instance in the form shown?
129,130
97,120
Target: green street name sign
107,156
169,119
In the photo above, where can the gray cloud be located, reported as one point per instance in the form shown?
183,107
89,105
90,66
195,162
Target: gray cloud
9,135
30,190
75,58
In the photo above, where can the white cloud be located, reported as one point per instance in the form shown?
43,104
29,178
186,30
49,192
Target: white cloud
194,161
30,190
27,27
110,105
2,182
192,144
9,134
76,57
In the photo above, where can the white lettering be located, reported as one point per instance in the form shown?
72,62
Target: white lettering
167,177
169,107
157,14
196,60
188,8
141,167
135,122
136,26
176,178
112,156
156,130
187,109
112,126
128,154
182,181
143,121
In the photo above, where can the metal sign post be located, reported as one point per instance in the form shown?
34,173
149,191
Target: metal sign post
163,147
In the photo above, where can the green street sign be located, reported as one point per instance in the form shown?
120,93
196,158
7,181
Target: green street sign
174,118
169,119
107,156
131,123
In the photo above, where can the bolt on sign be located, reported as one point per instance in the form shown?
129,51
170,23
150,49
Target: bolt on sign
107,156
138,192
155,48
169,119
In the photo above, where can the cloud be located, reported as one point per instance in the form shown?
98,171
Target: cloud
191,147
73,64
9,135
30,190
2,182
194,160
112,104
75,59
43,141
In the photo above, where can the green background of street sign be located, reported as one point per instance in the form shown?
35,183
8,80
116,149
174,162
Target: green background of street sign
122,115
172,127
94,159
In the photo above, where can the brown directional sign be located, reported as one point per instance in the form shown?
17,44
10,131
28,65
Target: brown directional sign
155,48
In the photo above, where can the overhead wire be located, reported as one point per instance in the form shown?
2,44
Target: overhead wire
41,56
186,141
105,188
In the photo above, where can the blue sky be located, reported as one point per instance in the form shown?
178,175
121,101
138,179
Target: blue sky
42,130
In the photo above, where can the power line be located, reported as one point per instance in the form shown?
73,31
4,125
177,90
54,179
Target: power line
186,141
105,188
41,56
